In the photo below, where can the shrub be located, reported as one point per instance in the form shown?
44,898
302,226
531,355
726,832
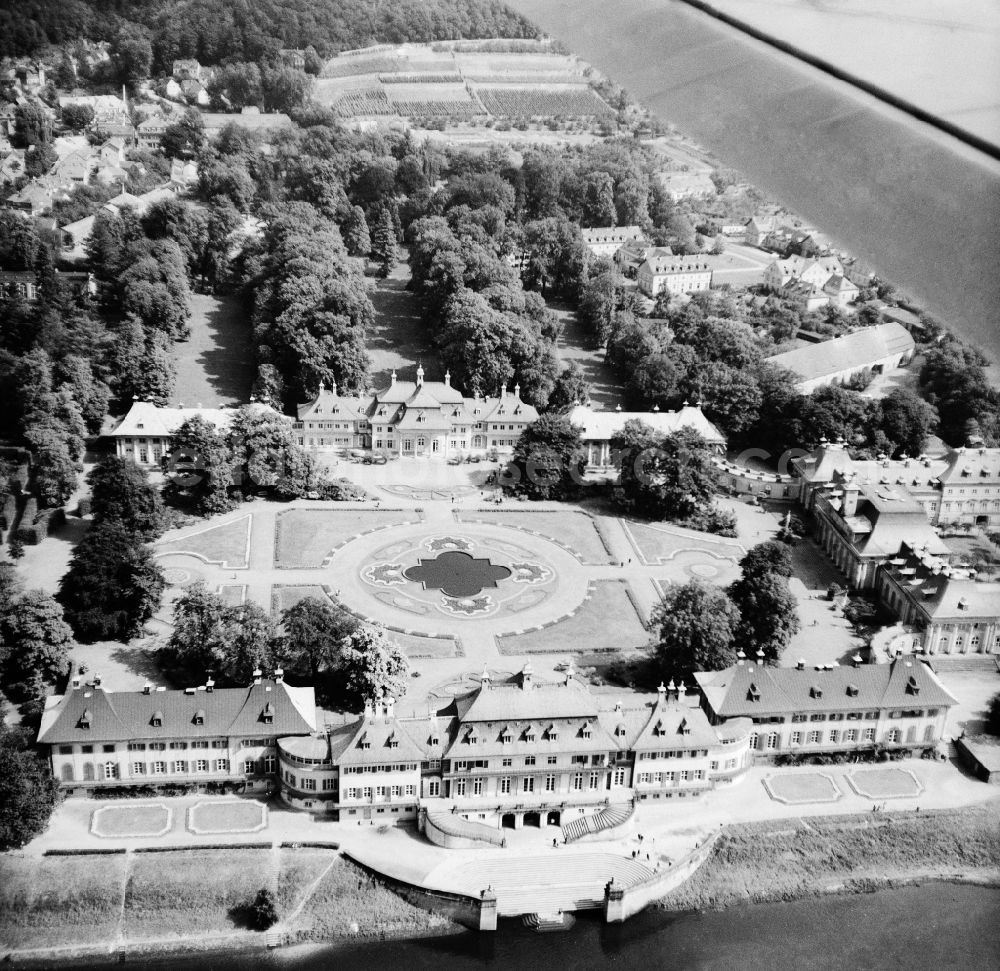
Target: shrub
31,535
83,509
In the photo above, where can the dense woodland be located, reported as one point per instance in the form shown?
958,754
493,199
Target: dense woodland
215,31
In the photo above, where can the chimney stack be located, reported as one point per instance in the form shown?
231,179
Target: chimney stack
369,712
740,657
279,675
392,378
257,675
76,681
209,684
801,665
760,658
526,673
97,680
420,375
447,379
390,706
857,660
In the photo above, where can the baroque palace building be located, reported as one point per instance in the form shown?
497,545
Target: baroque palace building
414,418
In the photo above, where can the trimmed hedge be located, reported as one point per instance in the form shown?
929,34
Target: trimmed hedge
31,535
8,511
83,509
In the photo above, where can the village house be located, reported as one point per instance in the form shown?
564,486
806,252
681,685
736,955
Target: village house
412,419
815,271
75,167
606,241
158,737
172,89
758,228
150,130
953,611
195,93
686,185
675,275
250,118
187,69
293,58
597,428
897,706
23,284
38,195
876,349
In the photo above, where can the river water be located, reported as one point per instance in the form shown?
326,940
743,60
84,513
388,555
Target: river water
935,927
918,206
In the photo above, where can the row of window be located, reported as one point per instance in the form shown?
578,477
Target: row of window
726,766
368,769
163,746
306,783
382,792
675,754
671,778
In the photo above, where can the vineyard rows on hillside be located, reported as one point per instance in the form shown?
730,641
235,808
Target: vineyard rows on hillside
533,102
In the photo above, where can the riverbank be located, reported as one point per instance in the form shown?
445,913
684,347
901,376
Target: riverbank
793,859
73,910
76,908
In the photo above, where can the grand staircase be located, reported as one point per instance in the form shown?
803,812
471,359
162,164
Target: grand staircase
549,883
451,824
610,817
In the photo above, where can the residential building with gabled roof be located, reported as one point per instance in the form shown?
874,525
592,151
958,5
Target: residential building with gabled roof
633,253
159,737
814,270
830,708
675,275
605,241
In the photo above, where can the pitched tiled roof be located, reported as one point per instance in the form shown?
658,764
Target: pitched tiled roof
604,425
91,714
372,740
852,351
752,690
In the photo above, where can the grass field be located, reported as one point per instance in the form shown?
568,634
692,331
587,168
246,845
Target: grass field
806,787
885,783
347,895
304,537
226,544
658,544
214,367
233,816
607,620
134,820
785,859
61,900
575,529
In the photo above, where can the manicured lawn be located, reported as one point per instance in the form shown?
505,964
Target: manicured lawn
346,896
284,596
232,816
305,537
232,594
573,529
59,900
887,783
140,820
227,543
607,620
214,367
804,787
659,543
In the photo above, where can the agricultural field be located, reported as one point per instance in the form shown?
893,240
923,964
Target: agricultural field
532,101
419,81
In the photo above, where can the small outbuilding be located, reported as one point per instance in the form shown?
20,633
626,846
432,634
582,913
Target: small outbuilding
980,754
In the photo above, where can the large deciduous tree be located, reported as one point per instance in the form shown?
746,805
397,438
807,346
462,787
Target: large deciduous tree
36,640
113,585
549,459
200,467
696,628
371,666
314,631
768,609
28,793
121,493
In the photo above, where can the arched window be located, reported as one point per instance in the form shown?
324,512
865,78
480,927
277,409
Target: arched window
67,773
110,770
88,771
892,736
753,739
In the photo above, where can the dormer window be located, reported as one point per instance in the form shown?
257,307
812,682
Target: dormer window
84,721
585,731
157,720
852,691
199,717
393,742
658,729
815,691
684,728
139,424
552,732
529,735
363,742
912,688
506,737
434,740
753,694
619,731
267,715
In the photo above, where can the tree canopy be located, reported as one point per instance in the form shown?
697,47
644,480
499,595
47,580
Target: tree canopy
695,626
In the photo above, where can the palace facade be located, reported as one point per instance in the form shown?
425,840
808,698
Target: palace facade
897,706
155,737
414,419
